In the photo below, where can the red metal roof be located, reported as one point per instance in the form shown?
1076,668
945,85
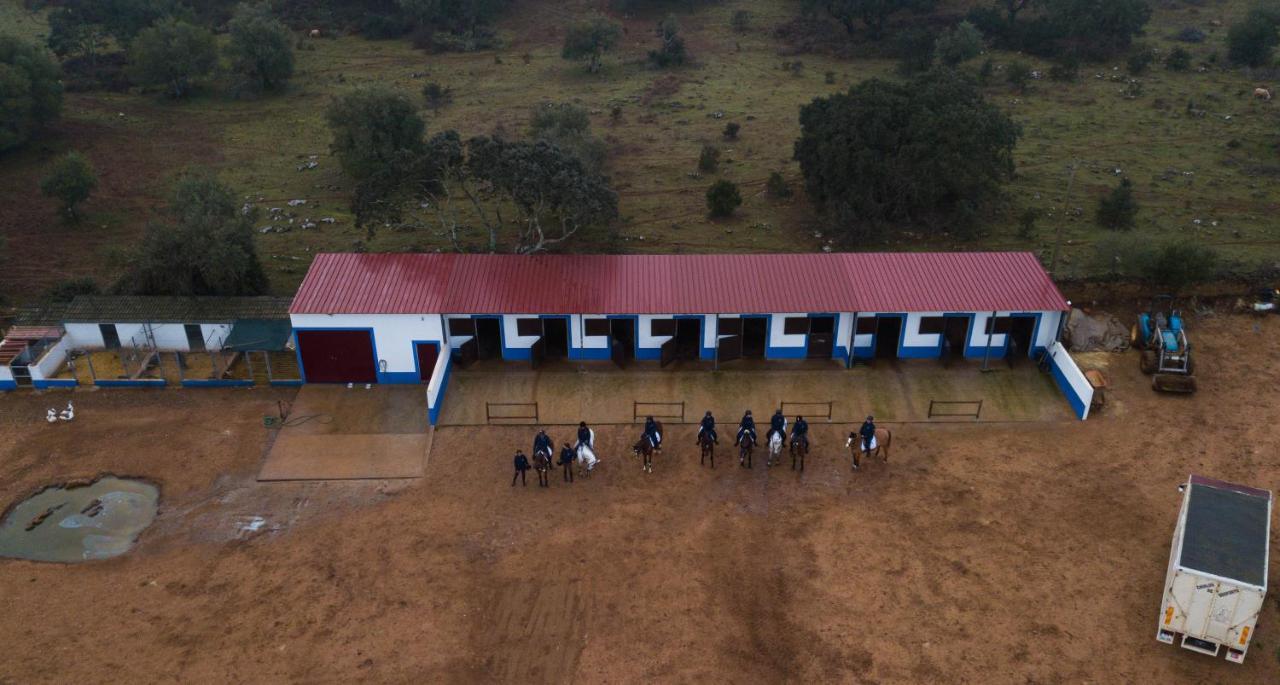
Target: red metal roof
675,284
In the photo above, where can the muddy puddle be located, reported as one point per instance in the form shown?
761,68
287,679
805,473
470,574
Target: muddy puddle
95,521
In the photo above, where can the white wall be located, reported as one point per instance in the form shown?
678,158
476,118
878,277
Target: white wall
49,363
393,334
1071,380
579,337
84,335
777,331
844,330
169,337
511,339
6,374
644,336
435,387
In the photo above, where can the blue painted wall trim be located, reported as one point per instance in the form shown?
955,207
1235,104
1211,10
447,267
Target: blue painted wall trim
8,385
54,383
125,383
433,413
589,353
287,383
1074,399
217,383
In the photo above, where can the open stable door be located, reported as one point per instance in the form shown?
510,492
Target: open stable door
670,350
729,341
538,353
468,353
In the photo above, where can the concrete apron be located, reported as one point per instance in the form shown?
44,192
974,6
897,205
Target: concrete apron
894,391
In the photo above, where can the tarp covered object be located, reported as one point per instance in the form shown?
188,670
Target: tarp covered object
1105,333
271,335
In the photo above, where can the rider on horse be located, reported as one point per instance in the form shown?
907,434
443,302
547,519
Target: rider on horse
746,426
868,433
709,428
542,443
651,432
800,433
777,424
584,436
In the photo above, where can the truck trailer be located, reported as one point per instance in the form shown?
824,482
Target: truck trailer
1217,577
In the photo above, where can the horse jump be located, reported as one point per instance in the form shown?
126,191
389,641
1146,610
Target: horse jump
879,445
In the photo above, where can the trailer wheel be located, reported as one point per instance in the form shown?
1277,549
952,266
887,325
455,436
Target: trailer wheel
1147,362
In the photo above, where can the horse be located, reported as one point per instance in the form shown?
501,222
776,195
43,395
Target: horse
799,448
744,451
586,461
542,464
880,443
775,449
645,447
708,448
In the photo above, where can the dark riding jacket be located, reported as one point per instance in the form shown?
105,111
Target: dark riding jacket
708,423
542,443
651,430
522,462
868,431
778,423
584,436
801,429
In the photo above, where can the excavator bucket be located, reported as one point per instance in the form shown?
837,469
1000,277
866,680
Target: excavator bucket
1173,382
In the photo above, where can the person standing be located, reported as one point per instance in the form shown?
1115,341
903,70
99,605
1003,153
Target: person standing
522,465
566,460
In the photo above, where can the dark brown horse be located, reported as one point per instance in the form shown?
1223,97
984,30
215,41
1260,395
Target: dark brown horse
747,445
645,448
708,447
799,449
880,445
542,464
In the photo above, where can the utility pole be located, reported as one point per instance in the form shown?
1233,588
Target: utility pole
1066,203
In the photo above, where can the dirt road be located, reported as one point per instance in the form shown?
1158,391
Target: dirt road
979,554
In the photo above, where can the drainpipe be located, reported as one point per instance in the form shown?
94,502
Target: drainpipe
991,328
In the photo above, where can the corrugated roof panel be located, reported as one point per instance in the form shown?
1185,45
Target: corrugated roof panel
675,284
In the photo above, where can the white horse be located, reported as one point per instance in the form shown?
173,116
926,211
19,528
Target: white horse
775,449
587,458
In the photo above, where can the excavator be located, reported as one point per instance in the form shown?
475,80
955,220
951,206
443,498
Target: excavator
1166,354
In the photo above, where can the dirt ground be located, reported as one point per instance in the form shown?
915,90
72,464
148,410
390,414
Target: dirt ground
980,553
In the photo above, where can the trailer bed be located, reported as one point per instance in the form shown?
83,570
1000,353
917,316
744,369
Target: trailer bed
1226,533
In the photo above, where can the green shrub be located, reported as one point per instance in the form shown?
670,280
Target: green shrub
436,95
1179,59
1141,58
740,21
1118,209
777,185
958,44
70,182
1252,41
1018,74
723,198
709,159
731,130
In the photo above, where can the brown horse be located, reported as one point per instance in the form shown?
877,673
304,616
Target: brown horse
799,449
708,448
645,448
744,451
542,464
883,438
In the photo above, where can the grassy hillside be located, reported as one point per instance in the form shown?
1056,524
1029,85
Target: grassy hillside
1219,169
